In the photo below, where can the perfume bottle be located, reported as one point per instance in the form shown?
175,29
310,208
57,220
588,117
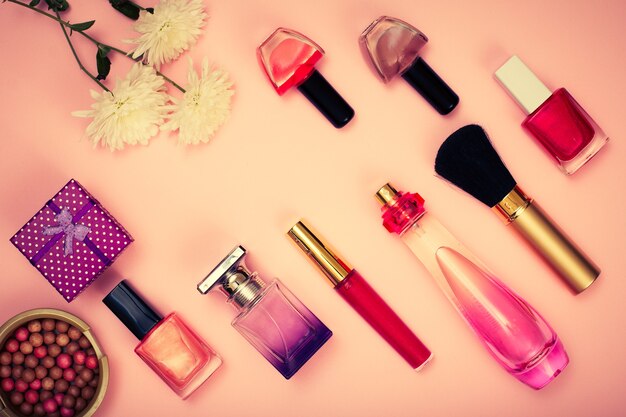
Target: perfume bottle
288,59
168,345
511,330
353,288
394,48
270,317
555,119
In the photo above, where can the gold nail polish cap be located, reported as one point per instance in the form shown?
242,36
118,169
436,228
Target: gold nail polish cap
386,194
522,84
321,254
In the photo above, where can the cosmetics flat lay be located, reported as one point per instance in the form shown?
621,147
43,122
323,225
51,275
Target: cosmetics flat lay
51,363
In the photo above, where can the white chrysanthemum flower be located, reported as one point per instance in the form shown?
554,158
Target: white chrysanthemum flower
204,107
131,113
169,31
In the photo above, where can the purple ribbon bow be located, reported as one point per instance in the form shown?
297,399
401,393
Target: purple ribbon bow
70,230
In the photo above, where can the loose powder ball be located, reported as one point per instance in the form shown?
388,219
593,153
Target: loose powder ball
48,368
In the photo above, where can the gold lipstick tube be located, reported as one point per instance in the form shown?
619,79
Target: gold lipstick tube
335,269
547,238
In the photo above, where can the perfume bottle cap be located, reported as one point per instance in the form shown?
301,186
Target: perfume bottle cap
136,314
233,278
387,194
331,265
400,210
522,84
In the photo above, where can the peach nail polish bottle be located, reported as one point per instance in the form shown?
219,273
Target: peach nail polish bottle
168,345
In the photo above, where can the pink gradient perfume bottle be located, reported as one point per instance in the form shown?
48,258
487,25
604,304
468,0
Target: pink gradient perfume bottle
167,345
555,119
511,330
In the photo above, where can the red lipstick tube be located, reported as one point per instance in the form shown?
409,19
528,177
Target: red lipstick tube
362,297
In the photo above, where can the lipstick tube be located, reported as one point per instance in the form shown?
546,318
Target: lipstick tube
362,297
517,337
546,237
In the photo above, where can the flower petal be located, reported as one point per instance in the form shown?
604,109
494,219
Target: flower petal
170,30
130,114
204,107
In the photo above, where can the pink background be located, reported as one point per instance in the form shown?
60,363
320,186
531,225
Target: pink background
277,159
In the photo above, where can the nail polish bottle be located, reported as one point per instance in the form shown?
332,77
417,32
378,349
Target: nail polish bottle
167,344
516,335
355,290
393,47
555,119
288,59
270,317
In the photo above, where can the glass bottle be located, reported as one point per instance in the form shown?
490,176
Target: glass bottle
393,48
168,345
511,330
288,58
269,316
555,119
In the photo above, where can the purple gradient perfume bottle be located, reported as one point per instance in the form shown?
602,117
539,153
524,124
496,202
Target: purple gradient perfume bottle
270,317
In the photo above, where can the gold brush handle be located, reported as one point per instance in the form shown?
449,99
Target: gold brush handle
571,263
547,238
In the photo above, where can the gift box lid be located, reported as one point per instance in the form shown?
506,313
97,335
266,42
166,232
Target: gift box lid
72,240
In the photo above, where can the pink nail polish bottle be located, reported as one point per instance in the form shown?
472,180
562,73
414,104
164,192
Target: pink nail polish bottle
555,119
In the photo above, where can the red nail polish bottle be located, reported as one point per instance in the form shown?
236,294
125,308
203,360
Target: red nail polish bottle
289,58
555,119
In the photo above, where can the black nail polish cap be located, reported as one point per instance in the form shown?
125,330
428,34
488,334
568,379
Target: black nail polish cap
326,99
132,310
435,90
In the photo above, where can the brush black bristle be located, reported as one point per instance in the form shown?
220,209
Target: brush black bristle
468,160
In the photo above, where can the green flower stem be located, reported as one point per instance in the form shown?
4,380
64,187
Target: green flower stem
80,64
65,24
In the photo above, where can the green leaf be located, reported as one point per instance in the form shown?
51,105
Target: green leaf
58,5
103,50
33,3
127,8
104,65
79,27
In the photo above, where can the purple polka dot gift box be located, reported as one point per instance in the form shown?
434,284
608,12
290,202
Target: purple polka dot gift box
72,240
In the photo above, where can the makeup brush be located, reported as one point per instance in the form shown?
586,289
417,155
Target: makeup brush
468,160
